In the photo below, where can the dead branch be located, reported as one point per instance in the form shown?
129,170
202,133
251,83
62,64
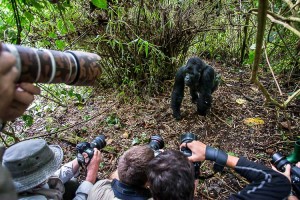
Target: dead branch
267,59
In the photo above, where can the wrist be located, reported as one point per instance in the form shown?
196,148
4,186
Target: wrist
92,173
91,177
218,156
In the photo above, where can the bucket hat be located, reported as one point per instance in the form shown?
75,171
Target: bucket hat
32,162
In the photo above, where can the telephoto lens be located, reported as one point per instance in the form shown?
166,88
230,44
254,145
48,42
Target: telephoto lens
99,142
156,143
186,138
88,148
279,161
50,66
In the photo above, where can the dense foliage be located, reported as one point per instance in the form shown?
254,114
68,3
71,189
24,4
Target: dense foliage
143,43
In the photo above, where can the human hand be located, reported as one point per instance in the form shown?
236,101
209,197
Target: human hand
23,97
93,166
198,150
8,76
286,173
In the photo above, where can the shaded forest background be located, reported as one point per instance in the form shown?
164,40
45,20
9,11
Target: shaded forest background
254,45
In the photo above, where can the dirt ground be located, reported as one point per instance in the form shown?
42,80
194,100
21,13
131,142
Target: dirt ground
128,123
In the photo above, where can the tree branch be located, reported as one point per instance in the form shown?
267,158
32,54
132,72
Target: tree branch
290,98
272,71
262,16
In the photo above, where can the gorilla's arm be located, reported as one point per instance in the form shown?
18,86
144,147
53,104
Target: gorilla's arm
207,87
178,93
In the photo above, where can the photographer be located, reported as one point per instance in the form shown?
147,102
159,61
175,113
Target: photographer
14,99
129,181
265,182
36,172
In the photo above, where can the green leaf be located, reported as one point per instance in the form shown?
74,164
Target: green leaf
61,27
135,141
29,16
112,120
28,119
87,117
37,5
52,35
71,93
146,48
71,26
232,153
100,3
60,44
78,96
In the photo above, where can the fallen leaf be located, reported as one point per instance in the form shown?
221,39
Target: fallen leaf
255,89
253,121
109,141
241,101
125,135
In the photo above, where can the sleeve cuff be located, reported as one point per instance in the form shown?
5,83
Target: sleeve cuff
84,188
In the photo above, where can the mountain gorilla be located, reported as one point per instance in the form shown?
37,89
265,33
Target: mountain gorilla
201,80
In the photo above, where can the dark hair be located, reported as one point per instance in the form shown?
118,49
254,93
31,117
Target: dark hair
132,166
171,176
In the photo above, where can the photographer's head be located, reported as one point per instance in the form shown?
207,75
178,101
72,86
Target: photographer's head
133,164
171,176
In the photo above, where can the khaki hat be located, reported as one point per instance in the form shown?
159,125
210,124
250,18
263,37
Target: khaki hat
32,162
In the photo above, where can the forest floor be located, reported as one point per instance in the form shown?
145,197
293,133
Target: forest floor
133,122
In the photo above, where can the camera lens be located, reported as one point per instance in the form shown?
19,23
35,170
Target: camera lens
187,137
156,142
279,161
98,142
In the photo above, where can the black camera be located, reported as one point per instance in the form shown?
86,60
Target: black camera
156,143
186,138
279,161
88,148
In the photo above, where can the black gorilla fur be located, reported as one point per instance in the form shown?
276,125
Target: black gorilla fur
200,78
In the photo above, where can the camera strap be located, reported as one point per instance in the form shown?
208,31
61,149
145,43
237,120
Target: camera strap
126,192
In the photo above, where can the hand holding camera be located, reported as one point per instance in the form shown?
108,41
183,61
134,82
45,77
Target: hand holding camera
93,166
187,138
89,149
197,149
289,169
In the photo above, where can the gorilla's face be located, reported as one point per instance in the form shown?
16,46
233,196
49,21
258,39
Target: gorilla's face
193,72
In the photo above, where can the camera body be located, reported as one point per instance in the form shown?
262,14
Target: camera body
186,138
88,148
156,143
280,161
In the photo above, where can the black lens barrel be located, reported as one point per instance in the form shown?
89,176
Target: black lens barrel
99,142
279,161
156,142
